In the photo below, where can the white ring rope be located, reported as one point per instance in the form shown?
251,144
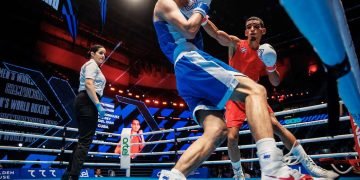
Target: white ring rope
248,146
25,123
188,128
301,141
52,138
297,125
291,111
154,132
304,124
318,122
334,155
51,150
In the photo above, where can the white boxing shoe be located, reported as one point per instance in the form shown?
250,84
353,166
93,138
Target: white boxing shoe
311,167
284,173
276,169
316,170
169,175
238,174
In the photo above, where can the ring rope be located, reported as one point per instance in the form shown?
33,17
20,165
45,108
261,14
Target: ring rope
291,111
297,125
318,122
249,146
304,124
51,150
162,141
333,155
25,123
52,138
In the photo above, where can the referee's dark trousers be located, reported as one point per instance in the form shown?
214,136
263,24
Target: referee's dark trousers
87,118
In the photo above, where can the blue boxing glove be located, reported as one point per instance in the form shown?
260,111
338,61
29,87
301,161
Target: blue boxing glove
100,110
201,6
188,9
268,56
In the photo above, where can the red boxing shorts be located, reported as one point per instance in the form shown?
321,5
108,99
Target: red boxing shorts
235,114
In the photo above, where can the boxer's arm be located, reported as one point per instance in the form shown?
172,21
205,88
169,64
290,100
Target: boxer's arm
117,149
169,11
231,51
274,77
222,37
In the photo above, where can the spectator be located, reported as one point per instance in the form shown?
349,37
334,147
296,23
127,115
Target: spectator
111,173
98,173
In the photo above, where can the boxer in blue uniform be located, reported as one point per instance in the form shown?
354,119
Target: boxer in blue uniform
206,84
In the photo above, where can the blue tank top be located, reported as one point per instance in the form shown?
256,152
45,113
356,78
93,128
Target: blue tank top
173,42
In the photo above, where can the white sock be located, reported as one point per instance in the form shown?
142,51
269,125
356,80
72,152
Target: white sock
236,165
177,172
265,145
268,153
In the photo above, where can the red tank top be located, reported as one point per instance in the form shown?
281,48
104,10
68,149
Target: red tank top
135,148
247,61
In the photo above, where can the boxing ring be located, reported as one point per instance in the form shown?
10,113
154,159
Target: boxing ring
354,136
352,100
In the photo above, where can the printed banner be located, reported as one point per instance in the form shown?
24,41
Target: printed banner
125,148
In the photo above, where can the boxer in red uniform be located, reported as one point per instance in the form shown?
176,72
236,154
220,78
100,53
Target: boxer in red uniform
135,129
251,58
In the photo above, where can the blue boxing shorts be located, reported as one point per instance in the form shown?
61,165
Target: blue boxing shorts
204,82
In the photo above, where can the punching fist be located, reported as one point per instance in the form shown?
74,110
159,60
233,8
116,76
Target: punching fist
267,55
201,6
142,136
